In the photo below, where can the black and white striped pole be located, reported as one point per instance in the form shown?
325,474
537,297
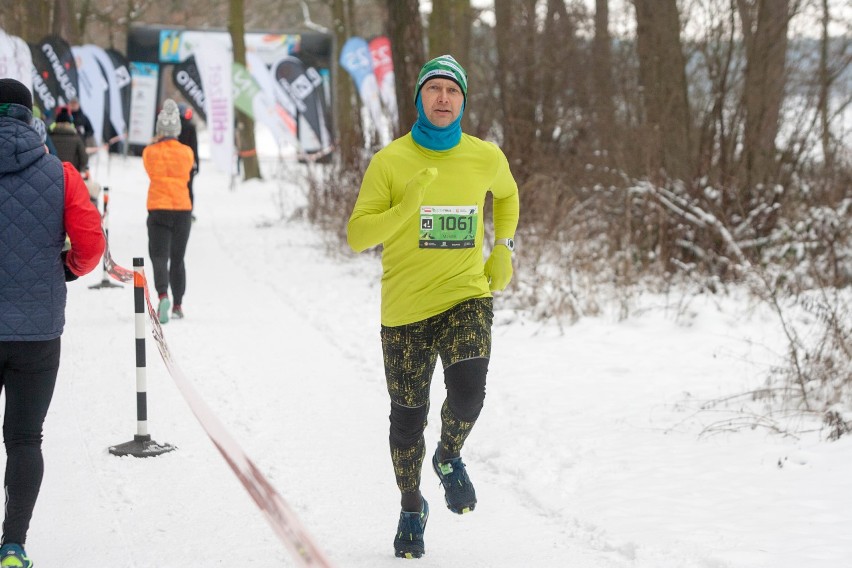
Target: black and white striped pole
105,281
141,446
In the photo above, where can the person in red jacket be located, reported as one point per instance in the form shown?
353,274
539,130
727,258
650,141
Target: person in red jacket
41,200
168,163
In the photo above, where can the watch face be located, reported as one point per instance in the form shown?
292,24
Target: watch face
508,243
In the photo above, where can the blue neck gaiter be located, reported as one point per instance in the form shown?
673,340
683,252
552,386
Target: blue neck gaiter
438,138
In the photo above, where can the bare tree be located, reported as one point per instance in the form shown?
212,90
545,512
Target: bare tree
764,25
406,37
516,25
26,19
835,59
245,124
449,29
662,72
603,102
62,23
346,103
719,116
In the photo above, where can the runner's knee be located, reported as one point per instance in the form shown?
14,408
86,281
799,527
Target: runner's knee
465,383
407,424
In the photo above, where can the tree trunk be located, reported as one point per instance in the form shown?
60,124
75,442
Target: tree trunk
406,37
346,102
824,91
245,125
602,96
556,93
449,29
717,137
764,24
662,77
440,29
516,26
26,19
63,23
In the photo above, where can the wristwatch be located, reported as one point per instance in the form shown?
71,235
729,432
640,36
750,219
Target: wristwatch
508,243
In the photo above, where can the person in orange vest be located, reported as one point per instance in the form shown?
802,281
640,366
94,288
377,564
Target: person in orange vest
168,163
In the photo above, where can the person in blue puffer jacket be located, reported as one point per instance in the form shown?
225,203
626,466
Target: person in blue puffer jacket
41,200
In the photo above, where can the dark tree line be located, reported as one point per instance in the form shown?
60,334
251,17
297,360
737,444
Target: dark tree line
723,102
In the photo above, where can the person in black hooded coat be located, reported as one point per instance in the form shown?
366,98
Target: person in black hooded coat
69,145
189,137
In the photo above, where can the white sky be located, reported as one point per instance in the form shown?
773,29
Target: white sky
621,16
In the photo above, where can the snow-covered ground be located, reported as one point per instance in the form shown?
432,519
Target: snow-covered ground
587,453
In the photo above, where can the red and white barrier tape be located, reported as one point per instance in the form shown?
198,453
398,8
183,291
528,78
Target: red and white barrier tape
278,514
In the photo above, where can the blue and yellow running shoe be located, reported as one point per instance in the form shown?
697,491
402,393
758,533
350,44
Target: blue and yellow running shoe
409,534
13,556
458,490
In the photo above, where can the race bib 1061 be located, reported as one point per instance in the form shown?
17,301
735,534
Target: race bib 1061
448,226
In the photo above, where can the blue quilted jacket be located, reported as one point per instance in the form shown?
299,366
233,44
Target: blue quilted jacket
32,202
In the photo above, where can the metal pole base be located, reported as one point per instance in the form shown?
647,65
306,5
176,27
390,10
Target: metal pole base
141,447
105,283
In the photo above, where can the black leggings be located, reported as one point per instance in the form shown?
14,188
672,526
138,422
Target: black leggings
168,234
461,336
28,375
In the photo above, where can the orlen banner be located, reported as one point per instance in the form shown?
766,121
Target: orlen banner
187,79
58,64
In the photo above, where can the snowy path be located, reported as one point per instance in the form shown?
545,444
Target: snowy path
583,456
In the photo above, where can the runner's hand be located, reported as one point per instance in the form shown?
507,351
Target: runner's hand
498,268
415,189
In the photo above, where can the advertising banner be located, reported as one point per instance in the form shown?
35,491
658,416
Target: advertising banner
356,59
143,102
61,66
305,87
92,90
214,61
114,124
123,81
380,51
187,79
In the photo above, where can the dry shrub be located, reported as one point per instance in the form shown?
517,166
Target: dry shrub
331,196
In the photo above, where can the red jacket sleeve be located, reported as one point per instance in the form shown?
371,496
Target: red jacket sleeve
82,223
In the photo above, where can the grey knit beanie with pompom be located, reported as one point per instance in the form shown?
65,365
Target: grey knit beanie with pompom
168,121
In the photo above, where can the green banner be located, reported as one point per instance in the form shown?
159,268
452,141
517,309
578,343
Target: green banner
245,88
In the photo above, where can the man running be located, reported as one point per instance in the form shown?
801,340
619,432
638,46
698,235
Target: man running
422,198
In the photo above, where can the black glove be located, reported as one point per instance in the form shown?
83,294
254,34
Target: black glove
69,276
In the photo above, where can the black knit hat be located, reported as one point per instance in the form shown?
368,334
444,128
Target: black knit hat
63,114
12,91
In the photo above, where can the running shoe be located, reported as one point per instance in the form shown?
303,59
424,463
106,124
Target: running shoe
409,534
13,556
163,309
458,490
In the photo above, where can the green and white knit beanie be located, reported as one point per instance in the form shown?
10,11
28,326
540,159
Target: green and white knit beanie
444,66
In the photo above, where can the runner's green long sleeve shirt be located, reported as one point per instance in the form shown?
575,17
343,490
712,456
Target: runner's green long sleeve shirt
433,259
